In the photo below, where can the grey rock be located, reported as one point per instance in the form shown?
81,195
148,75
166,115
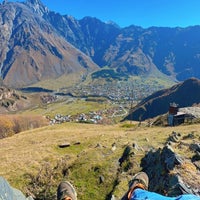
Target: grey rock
174,137
114,147
189,136
186,189
170,158
196,157
197,164
64,145
195,147
98,145
135,146
101,179
77,143
125,155
113,197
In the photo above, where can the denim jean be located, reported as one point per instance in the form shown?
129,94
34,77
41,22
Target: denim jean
140,194
9,193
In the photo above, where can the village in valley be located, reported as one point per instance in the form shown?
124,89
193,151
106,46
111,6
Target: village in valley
120,92
121,96
119,99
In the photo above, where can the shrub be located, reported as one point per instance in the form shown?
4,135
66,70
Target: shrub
128,126
12,124
6,127
43,185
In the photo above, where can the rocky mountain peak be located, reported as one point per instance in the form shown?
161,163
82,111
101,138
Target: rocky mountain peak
37,6
4,1
34,1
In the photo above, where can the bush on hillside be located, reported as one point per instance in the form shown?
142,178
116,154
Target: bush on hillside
43,185
12,124
6,127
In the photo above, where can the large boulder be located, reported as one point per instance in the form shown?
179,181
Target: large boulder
165,167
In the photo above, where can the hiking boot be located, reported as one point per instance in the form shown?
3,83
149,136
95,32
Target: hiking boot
140,180
66,191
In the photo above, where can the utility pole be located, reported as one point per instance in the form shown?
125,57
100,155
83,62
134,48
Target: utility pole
131,105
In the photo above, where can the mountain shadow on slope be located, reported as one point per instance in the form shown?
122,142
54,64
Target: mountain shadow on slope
185,94
32,51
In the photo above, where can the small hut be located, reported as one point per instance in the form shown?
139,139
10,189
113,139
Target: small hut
175,117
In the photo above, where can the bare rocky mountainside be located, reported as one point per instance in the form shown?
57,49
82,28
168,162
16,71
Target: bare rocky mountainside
133,50
31,50
12,100
38,44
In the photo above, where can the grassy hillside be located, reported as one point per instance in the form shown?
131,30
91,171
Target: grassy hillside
68,106
90,156
107,75
62,81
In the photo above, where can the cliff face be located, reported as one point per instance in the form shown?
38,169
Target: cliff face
31,50
12,100
134,50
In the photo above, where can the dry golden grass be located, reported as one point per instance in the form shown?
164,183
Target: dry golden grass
189,174
61,82
25,152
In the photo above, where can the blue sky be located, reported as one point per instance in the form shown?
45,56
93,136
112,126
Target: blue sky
143,13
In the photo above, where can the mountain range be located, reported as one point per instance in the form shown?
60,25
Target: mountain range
38,44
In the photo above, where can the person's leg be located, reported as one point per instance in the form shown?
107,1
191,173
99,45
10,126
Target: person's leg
138,189
66,191
188,197
140,194
9,193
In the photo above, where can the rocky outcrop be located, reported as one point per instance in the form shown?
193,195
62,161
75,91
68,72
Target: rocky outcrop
12,100
32,50
158,164
170,173
37,7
